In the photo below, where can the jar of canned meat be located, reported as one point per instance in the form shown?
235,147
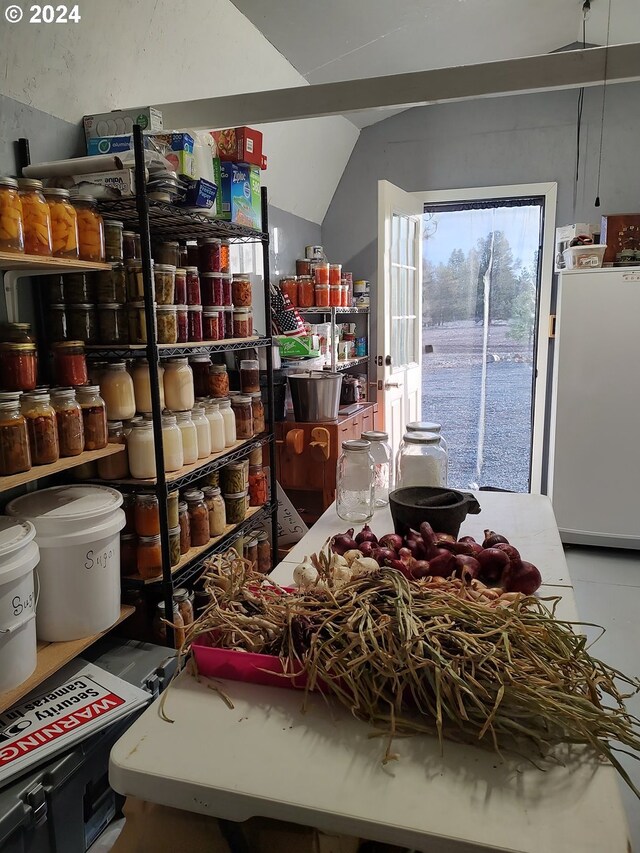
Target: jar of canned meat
69,421
225,256
113,241
82,322
209,259
257,410
18,366
15,455
242,409
249,375
64,223
11,221
289,286
131,246
90,229
113,326
305,291
110,285
164,279
69,363
167,253
42,428
218,381
242,322
181,286
193,286
241,290
167,324
200,365
303,266
182,323
194,323
210,324
94,416
36,218
322,295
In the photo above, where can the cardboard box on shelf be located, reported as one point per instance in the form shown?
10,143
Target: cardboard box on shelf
240,190
120,182
120,122
201,193
176,147
240,145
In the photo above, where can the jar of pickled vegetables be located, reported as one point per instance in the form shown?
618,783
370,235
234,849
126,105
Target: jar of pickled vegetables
18,366
69,363
110,285
236,507
113,325
90,229
113,240
11,221
82,322
167,253
164,278
174,546
131,246
242,322
166,319
217,512
185,527
69,421
94,415
218,381
137,322
257,486
15,455
79,287
135,280
241,405
64,223
42,428
306,294
36,218
241,290
257,409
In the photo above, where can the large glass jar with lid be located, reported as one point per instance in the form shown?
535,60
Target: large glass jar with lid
90,229
216,426
229,419
203,431
218,381
18,366
141,447
36,218
42,427
69,363
198,517
355,477
425,426
142,386
18,333
117,391
15,455
217,513
64,223
422,461
11,221
69,420
115,467
382,457
114,240
241,405
178,385
94,415
189,437
172,444
200,365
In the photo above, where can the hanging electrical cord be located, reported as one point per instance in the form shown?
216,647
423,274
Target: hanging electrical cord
604,101
586,7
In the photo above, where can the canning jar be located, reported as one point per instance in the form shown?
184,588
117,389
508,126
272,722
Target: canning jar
128,554
11,221
113,326
54,289
149,557
82,322
209,254
113,240
257,410
335,296
211,286
167,253
355,478
69,363
250,551
200,365
173,499
241,290
422,461
289,286
321,274
160,626
142,386
192,254
216,426
183,255
185,527
69,421
194,323
138,322
180,286
241,405
345,300
264,552
249,375
164,279
36,218
142,459
227,291
218,381
178,385
117,391
303,266
15,455
147,515
198,517
41,427
211,324
189,437
306,293
382,458
425,426
335,274
129,510
79,287
193,286
131,246
94,415
217,513
184,601
203,431
90,229
172,444
57,322
135,280
233,478
229,420
321,292
242,322
18,366
236,507
227,316
166,319
64,223
257,486
116,466
225,256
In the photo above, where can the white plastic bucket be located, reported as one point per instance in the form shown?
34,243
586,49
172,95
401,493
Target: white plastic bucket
77,531
18,558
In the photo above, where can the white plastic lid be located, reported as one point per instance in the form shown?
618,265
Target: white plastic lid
14,534
80,501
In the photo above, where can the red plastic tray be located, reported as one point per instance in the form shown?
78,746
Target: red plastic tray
244,666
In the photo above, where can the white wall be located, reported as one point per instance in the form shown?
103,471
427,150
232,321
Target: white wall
140,52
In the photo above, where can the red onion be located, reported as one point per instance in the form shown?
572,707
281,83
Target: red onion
444,537
443,565
512,553
419,569
428,536
405,555
343,542
391,540
367,549
492,563
383,554
366,535
468,539
492,538
467,567
524,578
399,566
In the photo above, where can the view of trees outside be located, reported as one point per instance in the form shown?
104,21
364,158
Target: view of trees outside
479,308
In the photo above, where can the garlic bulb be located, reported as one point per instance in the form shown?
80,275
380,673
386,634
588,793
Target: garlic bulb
341,575
352,555
305,575
364,566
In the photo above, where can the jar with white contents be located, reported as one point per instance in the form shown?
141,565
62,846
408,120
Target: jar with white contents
229,420
203,432
178,385
216,424
422,461
142,385
141,447
117,391
172,444
189,437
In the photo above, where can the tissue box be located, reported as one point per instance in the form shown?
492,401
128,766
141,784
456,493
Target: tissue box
120,122
240,190
240,145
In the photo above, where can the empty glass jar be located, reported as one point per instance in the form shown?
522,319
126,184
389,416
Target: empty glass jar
355,482
421,461
381,452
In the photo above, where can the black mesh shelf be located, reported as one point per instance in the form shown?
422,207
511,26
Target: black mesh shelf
169,350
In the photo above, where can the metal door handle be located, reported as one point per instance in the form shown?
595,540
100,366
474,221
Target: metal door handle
388,385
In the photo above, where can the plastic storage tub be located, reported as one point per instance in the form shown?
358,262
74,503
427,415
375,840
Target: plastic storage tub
584,257
19,556
77,531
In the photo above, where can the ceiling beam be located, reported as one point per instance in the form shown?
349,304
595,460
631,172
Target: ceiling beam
569,70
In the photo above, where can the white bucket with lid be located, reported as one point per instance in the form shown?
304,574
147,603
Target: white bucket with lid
18,558
77,531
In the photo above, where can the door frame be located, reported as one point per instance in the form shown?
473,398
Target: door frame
548,191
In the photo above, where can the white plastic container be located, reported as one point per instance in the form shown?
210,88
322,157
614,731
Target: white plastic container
19,556
584,257
77,532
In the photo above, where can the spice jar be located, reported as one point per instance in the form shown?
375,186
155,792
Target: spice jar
257,486
90,229
185,527
249,375
225,256
82,322
94,415
209,255
15,455
216,426
142,385
241,405
303,266
11,221
185,605
241,290
160,626
113,326
242,322
193,286
173,499
203,431
194,323
135,280
257,410
36,218
141,446
305,291
198,517
174,546
164,279
227,316
167,253
41,427
18,367
116,389
131,246
189,437
217,511
149,557
180,286
212,288
147,515
322,295
233,478
264,552
218,381
69,421
289,286
167,322
172,444
178,385
64,223
211,324
236,507
128,554
116,466
69,363
137,322
250,551
182,322
229,420
113,240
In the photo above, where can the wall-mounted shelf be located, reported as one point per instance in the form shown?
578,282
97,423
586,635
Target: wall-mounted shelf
39,264
63,464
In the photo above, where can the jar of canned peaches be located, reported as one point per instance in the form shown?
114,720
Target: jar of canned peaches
64,223
11,221
36,218
90,229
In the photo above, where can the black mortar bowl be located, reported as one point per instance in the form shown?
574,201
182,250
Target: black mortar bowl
444,509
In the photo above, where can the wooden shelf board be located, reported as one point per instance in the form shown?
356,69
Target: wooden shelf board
14,261
63,464
51,658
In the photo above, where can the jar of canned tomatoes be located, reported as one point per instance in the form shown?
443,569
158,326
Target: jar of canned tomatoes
211,324
211,288
11,221
69,363
36,218
193,286
289,286
64,223
18,366
306,293
181,286
242,322
225,256
209,250
90,229
182,321
194,323
241,290
335,274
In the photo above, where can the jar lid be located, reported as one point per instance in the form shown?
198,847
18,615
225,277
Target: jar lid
236,495
249,364
63,392
178,361
251,542
217,308
324,286
357,444
149,540
85,306
224,403
191,270
211,312
183,416
56,192
422,438
180,594
6,396
83,198
375,435
14,535
29,184
134,263
241,310
242,276
115,223
142,424
182,505
7,405
146,497
255,395
110,305
80,501
174,493
9,346
218,368
168,420
164,267
170,243
161,604
67,344
166,309
193,495
236,466
423,426
113,425
255,468
128,537
262,536
36,396
116,365
241,398
129,233
10,182
181,271
197,411
138,304
196,308
89,389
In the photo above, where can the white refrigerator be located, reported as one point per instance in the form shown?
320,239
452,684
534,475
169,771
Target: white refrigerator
594,449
